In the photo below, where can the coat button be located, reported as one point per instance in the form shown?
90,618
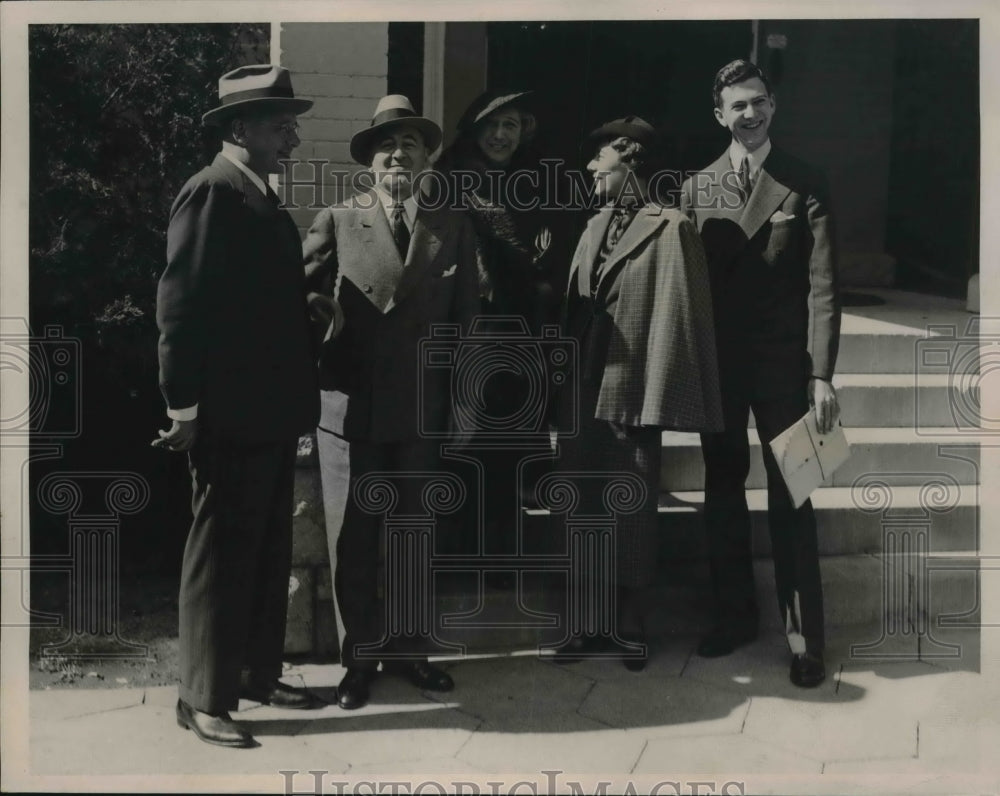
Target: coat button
368,288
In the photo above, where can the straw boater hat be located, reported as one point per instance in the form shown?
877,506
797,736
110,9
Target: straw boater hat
392,109
264,86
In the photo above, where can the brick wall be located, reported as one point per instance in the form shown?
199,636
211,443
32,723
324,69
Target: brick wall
342,67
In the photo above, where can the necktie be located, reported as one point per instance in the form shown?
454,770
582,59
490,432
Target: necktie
400,232
619,223
746,187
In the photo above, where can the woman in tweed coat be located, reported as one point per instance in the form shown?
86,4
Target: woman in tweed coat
639,305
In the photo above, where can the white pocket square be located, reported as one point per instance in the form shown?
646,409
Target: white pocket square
450,271
779,216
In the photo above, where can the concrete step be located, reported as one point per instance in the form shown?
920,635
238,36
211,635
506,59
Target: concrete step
909,333
924,401
911,456
849,521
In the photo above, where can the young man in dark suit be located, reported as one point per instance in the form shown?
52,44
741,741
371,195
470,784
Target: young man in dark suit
765,219
240,387
385,267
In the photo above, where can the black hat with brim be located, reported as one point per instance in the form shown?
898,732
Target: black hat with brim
488,102
639,130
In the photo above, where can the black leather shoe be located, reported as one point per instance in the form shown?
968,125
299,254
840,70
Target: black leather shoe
633,662
353,691
280,695
807,670
218,729
722,642
423,675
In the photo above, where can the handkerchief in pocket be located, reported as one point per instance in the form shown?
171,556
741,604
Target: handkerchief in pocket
450,271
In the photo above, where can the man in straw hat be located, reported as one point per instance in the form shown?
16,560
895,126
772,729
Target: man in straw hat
240,387
388,270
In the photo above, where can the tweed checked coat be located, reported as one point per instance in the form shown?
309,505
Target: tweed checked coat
381,391
648,327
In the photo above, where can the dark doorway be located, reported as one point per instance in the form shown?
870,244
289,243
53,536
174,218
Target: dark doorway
587,73
933,216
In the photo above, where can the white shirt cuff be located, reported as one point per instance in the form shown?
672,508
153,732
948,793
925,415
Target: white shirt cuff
185,414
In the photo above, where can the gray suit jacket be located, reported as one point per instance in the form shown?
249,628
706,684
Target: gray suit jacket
382,391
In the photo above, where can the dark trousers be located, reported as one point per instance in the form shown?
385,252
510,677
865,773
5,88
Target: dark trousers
355,537
727,520
233,597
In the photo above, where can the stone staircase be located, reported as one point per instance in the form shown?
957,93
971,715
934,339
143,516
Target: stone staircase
898,522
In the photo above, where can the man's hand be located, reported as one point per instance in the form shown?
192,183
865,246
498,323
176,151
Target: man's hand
181,436
326,314
824,398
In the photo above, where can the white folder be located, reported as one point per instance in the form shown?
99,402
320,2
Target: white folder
806,457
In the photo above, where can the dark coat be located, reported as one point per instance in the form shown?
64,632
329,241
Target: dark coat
375,367
773,267
234,329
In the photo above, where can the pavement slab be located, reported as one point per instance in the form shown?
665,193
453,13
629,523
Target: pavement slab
854,730
517,694
711,755
665,707
574,750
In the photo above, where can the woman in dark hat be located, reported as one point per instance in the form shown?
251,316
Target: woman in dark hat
492,171
639,306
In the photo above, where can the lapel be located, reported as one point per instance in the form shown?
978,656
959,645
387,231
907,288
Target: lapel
647,220
721,201
596,230
381,265
425,243
768,194
252,197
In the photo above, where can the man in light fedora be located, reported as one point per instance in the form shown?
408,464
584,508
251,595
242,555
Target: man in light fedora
240,387
387,269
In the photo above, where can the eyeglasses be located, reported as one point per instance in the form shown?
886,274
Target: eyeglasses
286,129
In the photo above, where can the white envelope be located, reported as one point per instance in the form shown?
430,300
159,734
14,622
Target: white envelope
806,457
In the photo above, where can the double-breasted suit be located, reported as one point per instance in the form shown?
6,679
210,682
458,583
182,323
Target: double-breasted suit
376,397
234,341
641,312
777,313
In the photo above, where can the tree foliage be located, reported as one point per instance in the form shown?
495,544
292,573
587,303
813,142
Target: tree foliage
115,130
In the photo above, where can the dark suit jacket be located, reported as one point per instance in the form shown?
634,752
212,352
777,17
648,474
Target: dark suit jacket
374,364
646,333
773,268
234,329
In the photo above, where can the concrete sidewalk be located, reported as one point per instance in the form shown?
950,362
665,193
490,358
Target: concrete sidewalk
734,725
